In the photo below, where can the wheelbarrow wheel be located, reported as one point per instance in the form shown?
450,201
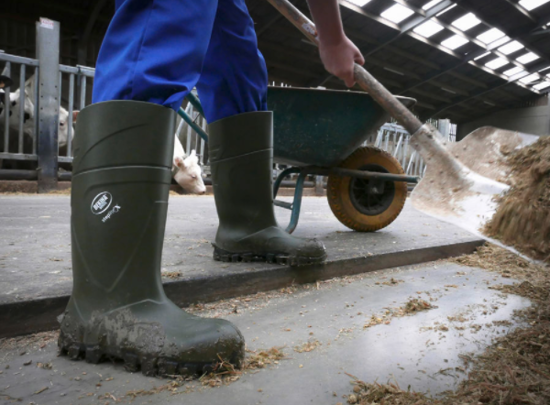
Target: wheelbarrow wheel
352,200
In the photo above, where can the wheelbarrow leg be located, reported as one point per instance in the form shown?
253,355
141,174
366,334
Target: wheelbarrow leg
285,173
297,203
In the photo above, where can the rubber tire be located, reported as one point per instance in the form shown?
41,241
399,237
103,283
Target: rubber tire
338,192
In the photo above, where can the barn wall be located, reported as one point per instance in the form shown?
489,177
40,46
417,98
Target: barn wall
530,120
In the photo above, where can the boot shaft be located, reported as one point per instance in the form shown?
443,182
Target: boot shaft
123,133
119,200
241,160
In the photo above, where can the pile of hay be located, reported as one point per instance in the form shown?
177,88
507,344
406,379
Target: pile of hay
523,216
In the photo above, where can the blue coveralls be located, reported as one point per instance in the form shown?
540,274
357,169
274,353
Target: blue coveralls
158,50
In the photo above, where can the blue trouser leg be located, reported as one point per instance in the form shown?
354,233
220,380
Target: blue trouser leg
158,50
234,75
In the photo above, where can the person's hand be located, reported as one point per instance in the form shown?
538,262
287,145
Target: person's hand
339,58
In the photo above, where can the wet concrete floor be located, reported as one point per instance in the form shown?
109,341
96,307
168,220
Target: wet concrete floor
421,350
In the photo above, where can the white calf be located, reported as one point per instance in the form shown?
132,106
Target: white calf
28,117
188,173
15,112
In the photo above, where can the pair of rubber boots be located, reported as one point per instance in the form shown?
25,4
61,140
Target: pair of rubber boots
120,185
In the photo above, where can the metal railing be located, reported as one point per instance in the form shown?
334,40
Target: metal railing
395,140
15,125
77,78
36,121
190,140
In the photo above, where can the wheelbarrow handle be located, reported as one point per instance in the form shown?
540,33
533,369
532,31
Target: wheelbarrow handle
426,139
365,80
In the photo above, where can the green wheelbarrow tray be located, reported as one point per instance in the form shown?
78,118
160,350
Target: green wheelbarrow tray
315,130
315,127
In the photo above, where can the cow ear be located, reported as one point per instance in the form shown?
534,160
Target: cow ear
75,114
179,162
193,153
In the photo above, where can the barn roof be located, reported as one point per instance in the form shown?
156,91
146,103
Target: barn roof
460,59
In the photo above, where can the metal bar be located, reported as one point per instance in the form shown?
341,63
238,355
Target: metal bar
18,59
379,138
69,69
189,129
297,202
17,156
21,105
7,105
86,71
409,166
82,103
280,178
12,174
65,159
59,105
190,122
47,41
203,143
71,105
282,204
398,147
64,176
36,111
195,102
405,152
360,174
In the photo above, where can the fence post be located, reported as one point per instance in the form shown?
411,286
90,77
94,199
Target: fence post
47,52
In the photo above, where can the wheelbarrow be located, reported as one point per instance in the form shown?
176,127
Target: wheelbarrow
320,132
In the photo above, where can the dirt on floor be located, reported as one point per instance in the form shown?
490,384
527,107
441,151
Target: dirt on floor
515,369
523,216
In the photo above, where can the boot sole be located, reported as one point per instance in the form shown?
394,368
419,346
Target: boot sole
222,255
133,362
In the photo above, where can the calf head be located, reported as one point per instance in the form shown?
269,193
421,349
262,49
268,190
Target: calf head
189,174
63,133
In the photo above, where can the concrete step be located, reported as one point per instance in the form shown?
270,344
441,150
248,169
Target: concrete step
35,260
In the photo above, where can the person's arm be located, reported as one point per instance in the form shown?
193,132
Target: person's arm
337,52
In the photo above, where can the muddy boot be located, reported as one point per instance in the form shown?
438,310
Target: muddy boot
241,159
119,200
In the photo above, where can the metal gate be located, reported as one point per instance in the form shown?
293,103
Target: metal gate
36,118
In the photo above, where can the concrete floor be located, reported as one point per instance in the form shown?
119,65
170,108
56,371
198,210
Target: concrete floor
421,350
35,259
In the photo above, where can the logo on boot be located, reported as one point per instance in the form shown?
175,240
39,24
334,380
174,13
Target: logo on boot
101,203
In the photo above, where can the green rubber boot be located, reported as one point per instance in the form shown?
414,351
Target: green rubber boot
119,201
241,160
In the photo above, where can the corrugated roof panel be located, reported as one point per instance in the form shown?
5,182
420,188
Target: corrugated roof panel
466,22
397,13
454,42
